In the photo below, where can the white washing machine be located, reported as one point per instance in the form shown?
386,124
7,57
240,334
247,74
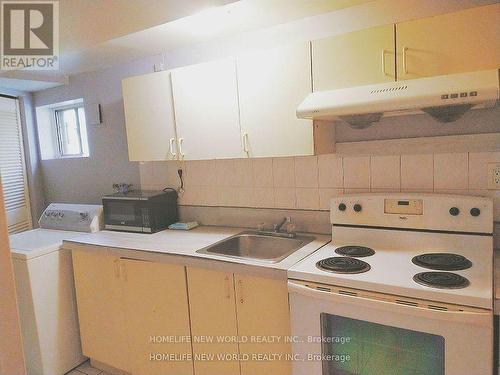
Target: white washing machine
45,287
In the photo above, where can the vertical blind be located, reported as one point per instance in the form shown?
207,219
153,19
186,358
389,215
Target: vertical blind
13,168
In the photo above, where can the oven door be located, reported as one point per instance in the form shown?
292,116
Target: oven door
123,214
370,334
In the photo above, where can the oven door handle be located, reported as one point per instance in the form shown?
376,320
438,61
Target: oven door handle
479,318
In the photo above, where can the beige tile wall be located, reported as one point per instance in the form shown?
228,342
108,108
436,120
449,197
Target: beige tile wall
309,182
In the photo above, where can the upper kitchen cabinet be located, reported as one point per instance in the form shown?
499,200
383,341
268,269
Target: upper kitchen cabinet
149,117
206,110
358,58
451,43
271,84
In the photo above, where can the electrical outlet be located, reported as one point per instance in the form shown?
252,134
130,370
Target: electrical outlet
158,67
494,176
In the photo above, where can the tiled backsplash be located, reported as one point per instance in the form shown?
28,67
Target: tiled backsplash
309,182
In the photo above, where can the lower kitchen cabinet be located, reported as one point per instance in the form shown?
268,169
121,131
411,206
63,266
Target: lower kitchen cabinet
130,309
212,308
149,318
263,317
155,307
98,293
254,309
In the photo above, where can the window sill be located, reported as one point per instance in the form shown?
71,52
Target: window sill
68,157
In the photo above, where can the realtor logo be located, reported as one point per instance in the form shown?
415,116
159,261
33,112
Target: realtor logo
30,35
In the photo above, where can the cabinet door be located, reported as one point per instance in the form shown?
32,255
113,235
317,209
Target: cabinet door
98,293
451,43
271,84
206,110
149,117
156,309
213,316
358,58
263,313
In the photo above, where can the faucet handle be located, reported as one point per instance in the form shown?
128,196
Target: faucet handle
261,226
290,227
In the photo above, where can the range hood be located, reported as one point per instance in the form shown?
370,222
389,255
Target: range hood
445,98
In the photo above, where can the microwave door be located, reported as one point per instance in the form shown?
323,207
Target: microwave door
336,334
123,215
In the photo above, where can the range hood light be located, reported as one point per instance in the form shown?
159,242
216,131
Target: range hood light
448,113
361,121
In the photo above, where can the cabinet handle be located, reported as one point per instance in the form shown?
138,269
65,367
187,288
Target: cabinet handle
240,287
383,63
123,271
181,153
116,268
405,66
174,154
228,287
245,143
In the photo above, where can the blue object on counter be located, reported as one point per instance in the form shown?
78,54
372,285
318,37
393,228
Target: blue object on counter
183,226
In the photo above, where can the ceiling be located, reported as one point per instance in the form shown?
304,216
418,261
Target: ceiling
87,23
95,34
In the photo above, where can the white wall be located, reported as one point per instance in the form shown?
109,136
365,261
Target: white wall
85,180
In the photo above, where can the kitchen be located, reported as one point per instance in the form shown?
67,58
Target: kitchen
303,153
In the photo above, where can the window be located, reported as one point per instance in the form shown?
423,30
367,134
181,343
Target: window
71,132
62,130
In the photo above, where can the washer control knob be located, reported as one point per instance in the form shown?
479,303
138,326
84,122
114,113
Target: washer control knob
342,207
357,207
475,211
454,211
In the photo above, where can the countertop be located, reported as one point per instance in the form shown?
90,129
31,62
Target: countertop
178,246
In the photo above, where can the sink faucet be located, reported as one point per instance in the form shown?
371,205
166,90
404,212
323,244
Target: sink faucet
277,227
276,232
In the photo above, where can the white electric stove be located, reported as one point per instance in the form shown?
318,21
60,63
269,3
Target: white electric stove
405,287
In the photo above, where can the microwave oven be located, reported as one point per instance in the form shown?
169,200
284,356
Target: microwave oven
140,211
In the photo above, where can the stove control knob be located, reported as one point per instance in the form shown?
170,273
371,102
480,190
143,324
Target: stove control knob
357,207
454,211
475,211
342,207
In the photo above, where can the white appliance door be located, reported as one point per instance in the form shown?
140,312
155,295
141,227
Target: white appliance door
338,334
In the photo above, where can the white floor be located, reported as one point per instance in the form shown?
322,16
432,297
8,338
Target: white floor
86,369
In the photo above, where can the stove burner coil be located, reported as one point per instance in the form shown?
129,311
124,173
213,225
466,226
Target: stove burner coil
343,265
442,261
355,251
441,280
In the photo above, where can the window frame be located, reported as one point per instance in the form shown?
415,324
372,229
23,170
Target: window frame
57,127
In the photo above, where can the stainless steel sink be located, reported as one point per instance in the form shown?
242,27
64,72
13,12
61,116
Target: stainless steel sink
257,246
